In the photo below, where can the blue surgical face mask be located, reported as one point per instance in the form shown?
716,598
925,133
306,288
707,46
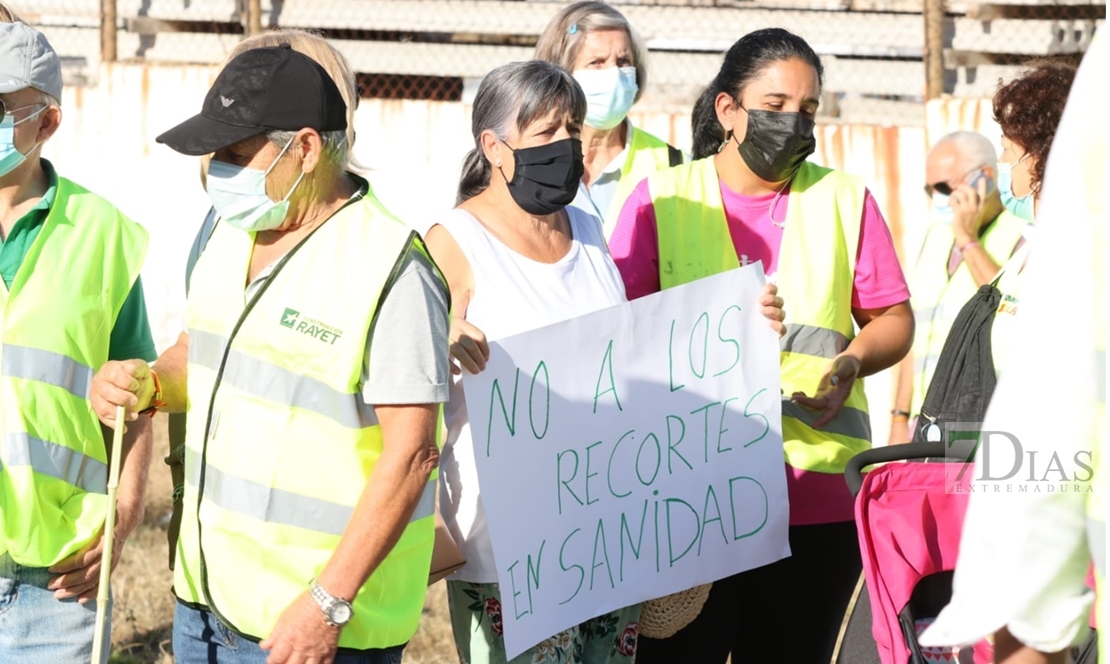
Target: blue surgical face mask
1023,206
609,94
942,210
10,156
239,195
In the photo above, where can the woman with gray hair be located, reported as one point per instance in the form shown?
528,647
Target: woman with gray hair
517,257
595,42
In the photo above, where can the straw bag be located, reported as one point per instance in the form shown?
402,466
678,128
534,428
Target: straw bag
663,617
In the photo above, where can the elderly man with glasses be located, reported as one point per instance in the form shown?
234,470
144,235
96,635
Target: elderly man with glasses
71,302
970,235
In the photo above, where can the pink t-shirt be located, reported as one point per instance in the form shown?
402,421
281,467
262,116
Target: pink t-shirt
879,283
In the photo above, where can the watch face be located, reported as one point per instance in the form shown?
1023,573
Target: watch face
340,614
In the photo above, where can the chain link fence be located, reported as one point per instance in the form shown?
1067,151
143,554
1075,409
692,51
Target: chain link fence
883,58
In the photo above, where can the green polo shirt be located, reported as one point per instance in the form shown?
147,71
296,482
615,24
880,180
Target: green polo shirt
131,336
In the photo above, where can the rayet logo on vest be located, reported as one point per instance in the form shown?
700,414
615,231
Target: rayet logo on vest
996,462
291,318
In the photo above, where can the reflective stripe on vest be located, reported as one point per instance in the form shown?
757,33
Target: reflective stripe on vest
937,298
813,340
47,367
646,155
57,318
816,268
240,495
56,461
273,383
278,440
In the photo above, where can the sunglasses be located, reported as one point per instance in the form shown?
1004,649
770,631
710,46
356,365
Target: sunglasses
946,189
5,111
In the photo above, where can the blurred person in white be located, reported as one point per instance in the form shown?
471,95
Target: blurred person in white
596,44
1025,552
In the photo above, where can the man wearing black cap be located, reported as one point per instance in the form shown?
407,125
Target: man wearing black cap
316,357
71,300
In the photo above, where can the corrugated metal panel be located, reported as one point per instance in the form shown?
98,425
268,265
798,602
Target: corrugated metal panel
1040,37
845,33
685,74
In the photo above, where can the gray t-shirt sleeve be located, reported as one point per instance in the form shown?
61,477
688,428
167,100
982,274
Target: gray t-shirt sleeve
407,358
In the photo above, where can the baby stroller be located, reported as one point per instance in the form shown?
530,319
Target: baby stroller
909,534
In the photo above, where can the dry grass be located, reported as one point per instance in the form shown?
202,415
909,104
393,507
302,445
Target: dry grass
142,616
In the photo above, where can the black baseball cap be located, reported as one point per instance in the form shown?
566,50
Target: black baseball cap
261,90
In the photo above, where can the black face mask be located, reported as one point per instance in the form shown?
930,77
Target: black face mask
776,144
546,177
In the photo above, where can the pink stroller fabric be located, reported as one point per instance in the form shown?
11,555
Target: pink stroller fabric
909,528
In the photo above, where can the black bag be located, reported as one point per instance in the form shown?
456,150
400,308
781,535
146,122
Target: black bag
964,379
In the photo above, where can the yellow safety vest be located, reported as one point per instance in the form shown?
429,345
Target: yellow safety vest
815,277
646,155
279,442
57,321
937,297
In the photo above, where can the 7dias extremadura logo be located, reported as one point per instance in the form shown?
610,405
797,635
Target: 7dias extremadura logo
998,462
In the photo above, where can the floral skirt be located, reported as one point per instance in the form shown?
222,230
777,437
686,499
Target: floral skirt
476,623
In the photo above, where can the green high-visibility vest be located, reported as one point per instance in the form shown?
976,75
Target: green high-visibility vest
815,277
57,323
646,155
938,297
279,443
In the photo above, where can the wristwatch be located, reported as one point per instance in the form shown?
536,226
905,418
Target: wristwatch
337,612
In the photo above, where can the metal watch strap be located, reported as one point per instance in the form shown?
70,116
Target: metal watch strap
326,601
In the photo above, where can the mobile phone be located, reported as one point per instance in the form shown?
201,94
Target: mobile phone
980,176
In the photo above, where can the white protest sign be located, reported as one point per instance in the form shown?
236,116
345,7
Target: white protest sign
630,453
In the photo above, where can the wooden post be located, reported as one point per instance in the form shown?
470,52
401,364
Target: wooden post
254,17
108,30
934,48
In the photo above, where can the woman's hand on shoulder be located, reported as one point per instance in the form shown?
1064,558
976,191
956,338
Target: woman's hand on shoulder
469,348
770,305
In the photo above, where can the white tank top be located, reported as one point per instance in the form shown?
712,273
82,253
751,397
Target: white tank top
512,294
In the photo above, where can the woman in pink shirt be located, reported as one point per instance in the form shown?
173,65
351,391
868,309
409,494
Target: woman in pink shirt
754,126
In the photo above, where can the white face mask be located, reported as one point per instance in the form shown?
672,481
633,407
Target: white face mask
239,195
942,210
1022,206
10,156
609,94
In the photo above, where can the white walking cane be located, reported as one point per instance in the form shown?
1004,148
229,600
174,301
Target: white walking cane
102,592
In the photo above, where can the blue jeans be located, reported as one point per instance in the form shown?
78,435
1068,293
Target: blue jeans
35,628
200,638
